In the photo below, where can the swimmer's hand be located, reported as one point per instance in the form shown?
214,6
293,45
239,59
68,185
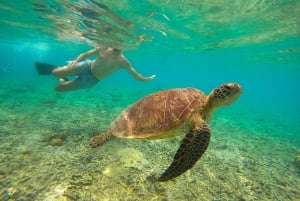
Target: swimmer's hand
150,78
71,64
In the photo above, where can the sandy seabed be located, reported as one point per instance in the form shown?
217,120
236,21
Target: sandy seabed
45,153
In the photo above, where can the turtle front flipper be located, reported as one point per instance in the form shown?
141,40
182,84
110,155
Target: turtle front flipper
100,139
192,146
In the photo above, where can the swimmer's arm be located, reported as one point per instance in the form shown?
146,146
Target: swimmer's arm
83,56
136,74
87,54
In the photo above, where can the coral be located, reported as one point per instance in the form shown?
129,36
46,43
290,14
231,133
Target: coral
132,158
57,140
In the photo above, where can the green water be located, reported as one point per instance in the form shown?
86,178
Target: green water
255,141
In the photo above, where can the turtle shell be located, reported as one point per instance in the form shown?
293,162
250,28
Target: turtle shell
156,114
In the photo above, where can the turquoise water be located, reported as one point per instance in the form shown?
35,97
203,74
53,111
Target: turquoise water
255,145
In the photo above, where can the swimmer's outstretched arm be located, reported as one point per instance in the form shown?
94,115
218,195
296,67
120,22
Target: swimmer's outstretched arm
135,73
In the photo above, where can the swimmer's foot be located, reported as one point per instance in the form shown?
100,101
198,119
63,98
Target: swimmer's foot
44,68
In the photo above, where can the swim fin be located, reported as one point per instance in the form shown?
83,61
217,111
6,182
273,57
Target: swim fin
44,68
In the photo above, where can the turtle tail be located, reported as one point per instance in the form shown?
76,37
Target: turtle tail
101,139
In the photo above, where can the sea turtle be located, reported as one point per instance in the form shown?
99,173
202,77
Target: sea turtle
169,113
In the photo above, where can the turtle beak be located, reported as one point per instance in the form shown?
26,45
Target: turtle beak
238,88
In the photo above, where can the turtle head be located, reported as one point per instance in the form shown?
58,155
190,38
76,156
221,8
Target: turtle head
225,94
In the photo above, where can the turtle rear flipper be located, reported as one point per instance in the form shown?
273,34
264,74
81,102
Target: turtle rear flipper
101,139
191,149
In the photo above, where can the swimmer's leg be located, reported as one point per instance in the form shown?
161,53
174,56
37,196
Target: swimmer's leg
80,82
65,71
77,69
65,85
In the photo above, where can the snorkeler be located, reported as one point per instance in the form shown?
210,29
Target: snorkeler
89,72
